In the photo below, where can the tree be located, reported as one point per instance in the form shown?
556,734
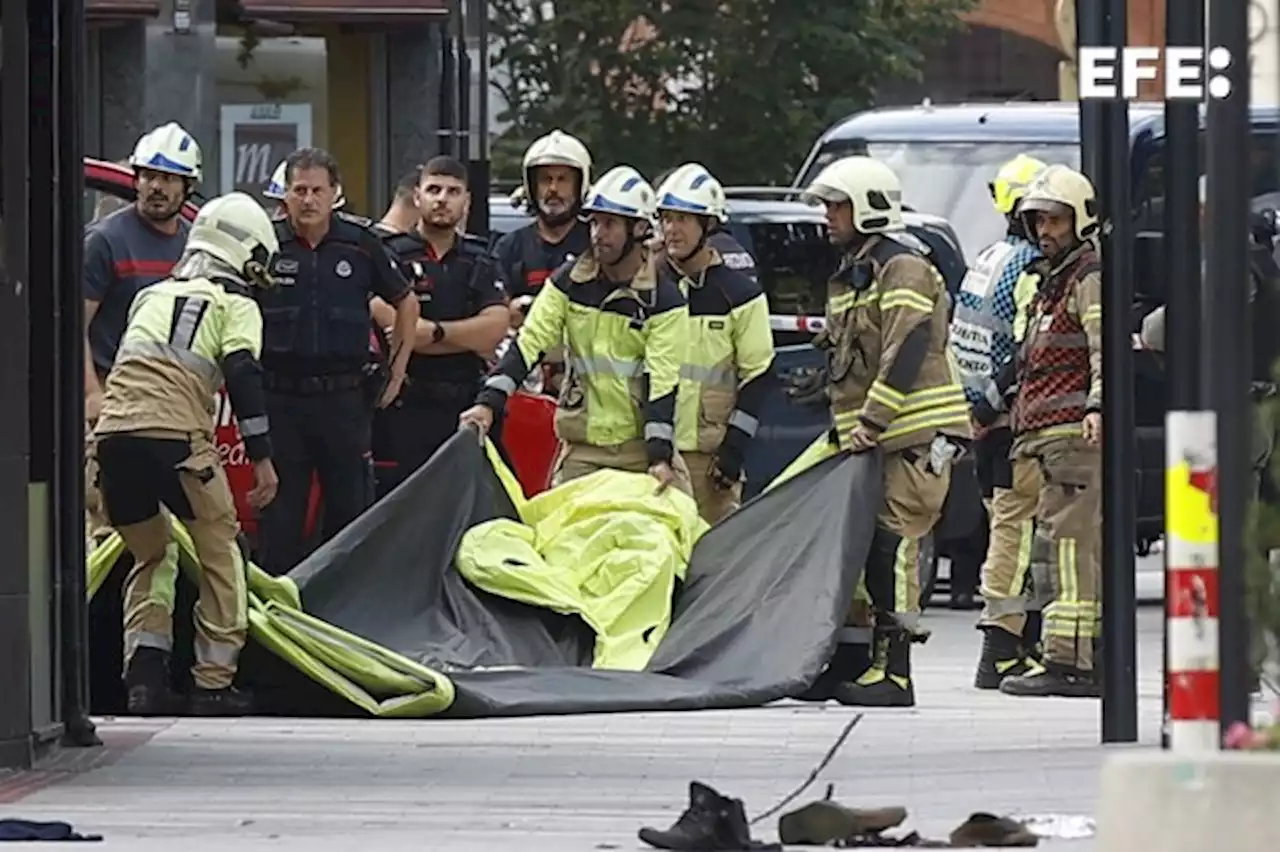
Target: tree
743,86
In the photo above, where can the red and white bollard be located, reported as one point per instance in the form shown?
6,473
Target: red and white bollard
1191,565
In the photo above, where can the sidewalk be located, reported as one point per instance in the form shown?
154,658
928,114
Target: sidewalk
585,782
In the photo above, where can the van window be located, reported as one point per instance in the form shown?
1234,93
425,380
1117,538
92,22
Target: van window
793,260
1264,178
949,179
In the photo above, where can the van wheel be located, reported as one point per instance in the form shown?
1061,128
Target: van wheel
927,560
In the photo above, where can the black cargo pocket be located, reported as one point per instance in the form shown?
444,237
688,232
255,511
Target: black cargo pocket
350,328
279,328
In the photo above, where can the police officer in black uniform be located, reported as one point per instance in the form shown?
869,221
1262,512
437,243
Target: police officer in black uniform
316,343
463,318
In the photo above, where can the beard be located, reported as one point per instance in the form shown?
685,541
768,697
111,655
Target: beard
556,218
159,208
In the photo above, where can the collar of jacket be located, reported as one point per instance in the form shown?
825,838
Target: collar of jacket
716,260
587,269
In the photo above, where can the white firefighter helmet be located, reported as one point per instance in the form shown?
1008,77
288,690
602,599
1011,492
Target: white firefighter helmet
622,191
278,187
691,188
1060,189
169,149
869,186
236,230
557,148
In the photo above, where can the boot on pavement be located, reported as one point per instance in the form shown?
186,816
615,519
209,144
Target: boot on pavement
888,682
711,823
847,665
147,680
1054,680
228,701
1003,656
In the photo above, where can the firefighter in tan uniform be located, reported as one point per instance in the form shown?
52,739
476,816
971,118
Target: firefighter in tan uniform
1057,422
893,388
728,365
185,337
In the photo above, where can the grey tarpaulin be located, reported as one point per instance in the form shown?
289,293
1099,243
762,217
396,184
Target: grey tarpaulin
765,592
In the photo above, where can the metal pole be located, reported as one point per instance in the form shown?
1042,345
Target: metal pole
69,545
1227,344
1184,28
1104,140
478,165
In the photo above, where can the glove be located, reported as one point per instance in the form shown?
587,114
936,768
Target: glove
726,468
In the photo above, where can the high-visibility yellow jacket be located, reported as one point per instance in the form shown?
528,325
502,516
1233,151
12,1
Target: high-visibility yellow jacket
728,363
625,344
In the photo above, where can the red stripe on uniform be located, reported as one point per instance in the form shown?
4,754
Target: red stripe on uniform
130,268
1193,696
1192,592
536,277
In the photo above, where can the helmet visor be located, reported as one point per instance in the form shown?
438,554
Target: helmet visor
1044,205
819,192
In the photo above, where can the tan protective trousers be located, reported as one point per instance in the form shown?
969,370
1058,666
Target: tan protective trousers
715,502
221,612
579,460
913,500
1065,565
1004,574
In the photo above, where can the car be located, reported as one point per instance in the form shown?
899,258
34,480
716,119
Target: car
531,449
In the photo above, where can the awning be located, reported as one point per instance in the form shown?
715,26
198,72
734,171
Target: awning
346,11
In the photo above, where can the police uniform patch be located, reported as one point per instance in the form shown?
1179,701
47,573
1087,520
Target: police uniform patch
343,269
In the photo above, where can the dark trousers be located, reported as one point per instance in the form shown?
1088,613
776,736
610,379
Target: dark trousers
991,452
324,434
408,433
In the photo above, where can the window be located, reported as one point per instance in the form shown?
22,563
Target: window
1264,191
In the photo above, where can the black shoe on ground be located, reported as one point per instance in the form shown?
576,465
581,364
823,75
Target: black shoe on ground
1054,680
711,823
887,683
220,702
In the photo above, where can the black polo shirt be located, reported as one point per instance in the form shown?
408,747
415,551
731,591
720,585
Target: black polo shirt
316,319
525,260
456,286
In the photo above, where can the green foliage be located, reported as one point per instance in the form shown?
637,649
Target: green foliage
743,86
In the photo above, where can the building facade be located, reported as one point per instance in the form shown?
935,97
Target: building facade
369,80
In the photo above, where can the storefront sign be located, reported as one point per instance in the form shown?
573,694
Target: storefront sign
255,138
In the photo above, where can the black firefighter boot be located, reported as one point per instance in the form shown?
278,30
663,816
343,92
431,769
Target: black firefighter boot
711,823
146,678
1003,655
847,664
227,701
888,682
1056,680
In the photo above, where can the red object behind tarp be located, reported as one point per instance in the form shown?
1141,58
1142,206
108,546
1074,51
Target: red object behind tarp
529,437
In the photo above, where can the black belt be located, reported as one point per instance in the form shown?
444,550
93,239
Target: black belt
312,385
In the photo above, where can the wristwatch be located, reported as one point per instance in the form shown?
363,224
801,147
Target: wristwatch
437,334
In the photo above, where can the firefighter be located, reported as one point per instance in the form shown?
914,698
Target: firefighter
982,339
1056,419
624,323
726,375
156,453
893,388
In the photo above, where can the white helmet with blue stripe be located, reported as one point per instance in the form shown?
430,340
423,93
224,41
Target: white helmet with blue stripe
622,191
277,187
692,189
171,150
